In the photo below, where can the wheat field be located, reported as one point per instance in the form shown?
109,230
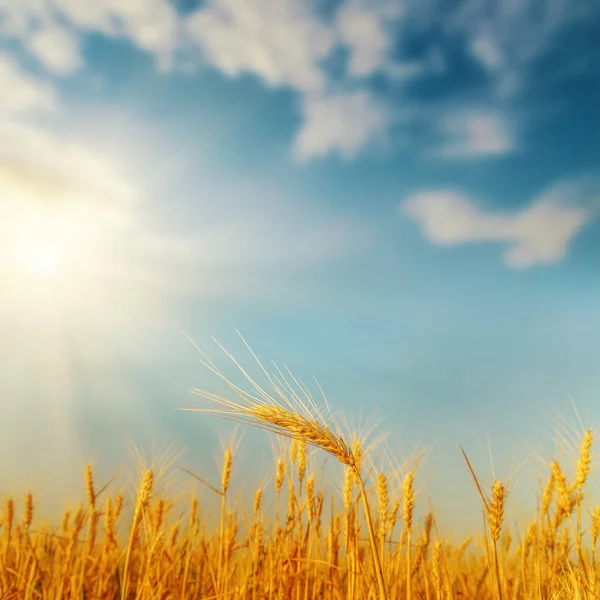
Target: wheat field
312,541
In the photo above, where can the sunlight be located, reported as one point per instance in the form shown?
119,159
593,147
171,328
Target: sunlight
80,286
44,261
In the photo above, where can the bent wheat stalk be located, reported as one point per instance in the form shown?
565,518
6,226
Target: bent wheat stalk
289,411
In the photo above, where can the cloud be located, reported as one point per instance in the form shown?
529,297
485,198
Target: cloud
536,235
342,123
485,49
363,30
284,44
519,32
21,93
506,38
406,70
507,77
287,43
281,42
151,25
57,48
475,133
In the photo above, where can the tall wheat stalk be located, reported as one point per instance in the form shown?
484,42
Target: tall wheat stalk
140,506
289,410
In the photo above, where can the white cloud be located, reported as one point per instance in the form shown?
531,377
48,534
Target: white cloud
342,123
484,48
406,70
284,44
363,30
506,37
21,93
18,18
475,133
506,74
151,25
536,235
368,28
281,42
57,48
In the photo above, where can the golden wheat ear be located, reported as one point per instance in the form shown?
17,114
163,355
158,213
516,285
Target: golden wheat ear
286,408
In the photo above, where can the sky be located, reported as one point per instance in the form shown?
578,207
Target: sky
398,198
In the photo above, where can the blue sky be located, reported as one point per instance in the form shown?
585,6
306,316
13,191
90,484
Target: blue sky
400,198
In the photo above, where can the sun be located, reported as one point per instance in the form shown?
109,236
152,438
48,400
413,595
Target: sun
44,261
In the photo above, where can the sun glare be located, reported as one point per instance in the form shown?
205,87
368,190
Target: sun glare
44,261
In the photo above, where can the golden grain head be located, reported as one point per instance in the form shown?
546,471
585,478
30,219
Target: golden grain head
560,481
357,452
28,510
193,510
408,499
310,498
279,474
427,529
257,500
383,498
395,510
65,522
226,472
496,510
348,488
436,563
146,488
583,464
159,513
294,451
289,411
109,522
294,425
302,457
547,493
89,487
118,506
595,529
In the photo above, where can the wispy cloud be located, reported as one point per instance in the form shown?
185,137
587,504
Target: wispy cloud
475,133
364,28
286,43
506,38
326,125
21,93
485,49
280,42
50,31
536,235
57,48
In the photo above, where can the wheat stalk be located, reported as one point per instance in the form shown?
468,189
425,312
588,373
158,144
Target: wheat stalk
289,411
